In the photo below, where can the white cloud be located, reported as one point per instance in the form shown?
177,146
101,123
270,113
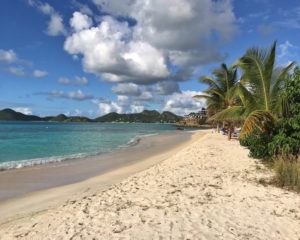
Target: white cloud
81,80
287,52
18,71
74,95
137,108
106,53
127,89
77,81
184,103
284,49
83,8
105,108
39,73
136,92
77,112
24,110
123,104
55,25
64,81
169,32
8,56
176,24
166,88
80,21
145,96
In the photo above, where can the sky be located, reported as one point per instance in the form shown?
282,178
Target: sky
92,57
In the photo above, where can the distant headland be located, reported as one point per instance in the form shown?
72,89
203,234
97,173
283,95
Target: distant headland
146,116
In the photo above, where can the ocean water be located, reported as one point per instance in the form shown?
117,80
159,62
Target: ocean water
31,143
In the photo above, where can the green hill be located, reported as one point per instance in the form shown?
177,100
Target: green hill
64,118
147,116
11,115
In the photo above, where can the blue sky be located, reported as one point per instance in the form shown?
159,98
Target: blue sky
92,57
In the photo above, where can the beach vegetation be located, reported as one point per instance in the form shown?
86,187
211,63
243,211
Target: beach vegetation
258,90
220,92
264,99
257,143
287,171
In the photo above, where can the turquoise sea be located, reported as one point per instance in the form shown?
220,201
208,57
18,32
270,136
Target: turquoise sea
30,143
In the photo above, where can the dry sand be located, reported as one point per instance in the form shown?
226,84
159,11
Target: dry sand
207,190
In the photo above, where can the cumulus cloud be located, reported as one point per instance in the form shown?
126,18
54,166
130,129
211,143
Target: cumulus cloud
16,66
55,24
136,92
127,89
83,8
75,95
166,33
179,103
123,104
8,56
184,103
24,110
77,81
106,53
166,88
145,92
105,108
80,21
147,47
136,108
39,73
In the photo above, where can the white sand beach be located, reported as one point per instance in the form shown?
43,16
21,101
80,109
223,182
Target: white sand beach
208,189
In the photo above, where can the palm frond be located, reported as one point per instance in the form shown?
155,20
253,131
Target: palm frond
232,114
199,96
262,120
279,76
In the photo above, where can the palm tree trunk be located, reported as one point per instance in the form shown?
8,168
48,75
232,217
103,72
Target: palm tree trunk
218,128
229,134
230,131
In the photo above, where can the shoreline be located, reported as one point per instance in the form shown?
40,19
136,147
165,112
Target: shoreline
32,189
207,188
29,163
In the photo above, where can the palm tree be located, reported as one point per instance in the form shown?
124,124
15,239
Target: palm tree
219,94
258,90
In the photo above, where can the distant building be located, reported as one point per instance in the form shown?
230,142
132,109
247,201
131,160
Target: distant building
195,119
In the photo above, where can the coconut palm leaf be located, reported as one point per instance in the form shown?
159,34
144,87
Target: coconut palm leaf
259,119
232,114
219,94
260,88
279,77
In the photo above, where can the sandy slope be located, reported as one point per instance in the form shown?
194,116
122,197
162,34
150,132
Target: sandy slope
208,190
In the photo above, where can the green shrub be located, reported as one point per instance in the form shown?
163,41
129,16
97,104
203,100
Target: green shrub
287,137
288,172
286,140
257,142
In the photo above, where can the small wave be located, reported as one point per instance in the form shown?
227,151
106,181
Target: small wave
136,140
38,161
132,142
